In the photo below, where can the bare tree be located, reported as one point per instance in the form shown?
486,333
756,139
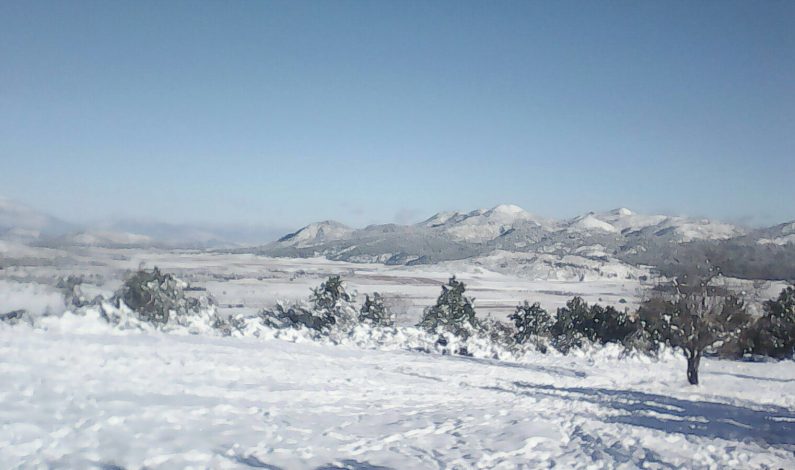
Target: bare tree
693,315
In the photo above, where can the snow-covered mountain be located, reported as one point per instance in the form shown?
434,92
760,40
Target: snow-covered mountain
679,229
600,241
23,223
608,243
506,227
319,232
482,225
783,234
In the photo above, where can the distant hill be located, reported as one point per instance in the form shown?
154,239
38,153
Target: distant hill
505,238
23,223
616,236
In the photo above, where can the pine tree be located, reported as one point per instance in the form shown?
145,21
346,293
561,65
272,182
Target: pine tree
453,312
374,311
781,314
571,321
530,321
773,334
333,303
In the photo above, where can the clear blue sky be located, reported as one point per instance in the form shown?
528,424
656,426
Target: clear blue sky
282,113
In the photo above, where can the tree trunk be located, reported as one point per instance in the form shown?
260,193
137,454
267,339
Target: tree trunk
693,361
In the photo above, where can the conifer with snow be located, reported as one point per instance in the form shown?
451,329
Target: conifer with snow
531,321
375,313
156,296
773,334
329,306
454,312
571,326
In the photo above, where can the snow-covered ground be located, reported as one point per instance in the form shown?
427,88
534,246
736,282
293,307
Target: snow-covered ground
78,393
498,282
81,394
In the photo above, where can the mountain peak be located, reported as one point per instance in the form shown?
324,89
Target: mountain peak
590,222
318,232
508,209
622,211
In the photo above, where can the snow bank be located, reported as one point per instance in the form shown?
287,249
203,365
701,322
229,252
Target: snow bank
38,299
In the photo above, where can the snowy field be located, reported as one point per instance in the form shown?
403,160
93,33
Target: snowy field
84,395
78,393
248,282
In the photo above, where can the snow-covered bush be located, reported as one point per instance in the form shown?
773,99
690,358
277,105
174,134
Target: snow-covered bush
374,312
531,321
641,341
16,317
610,325
497,332
329,307
297,315
70,286
159,298
453,313
577,323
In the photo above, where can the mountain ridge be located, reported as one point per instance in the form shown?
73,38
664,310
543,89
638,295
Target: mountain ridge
505,238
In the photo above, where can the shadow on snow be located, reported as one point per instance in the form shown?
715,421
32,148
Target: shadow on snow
770,425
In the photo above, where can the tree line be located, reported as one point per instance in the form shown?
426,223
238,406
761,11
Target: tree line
690,314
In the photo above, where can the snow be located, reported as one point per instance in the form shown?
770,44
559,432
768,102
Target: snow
84,395
590,222
509,209
705,230
76,392
483,225
317,232
623,211
624,219
778,240
33,297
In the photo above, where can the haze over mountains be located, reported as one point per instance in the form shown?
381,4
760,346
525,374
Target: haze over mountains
20,223
504,238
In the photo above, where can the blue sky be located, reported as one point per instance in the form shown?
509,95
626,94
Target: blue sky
283,113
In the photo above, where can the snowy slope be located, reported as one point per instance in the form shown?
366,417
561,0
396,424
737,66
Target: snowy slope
782,234
481,225
590,222
624,219
681,229
315,233
85,396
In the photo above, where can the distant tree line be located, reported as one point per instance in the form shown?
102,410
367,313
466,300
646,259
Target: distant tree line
740,258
